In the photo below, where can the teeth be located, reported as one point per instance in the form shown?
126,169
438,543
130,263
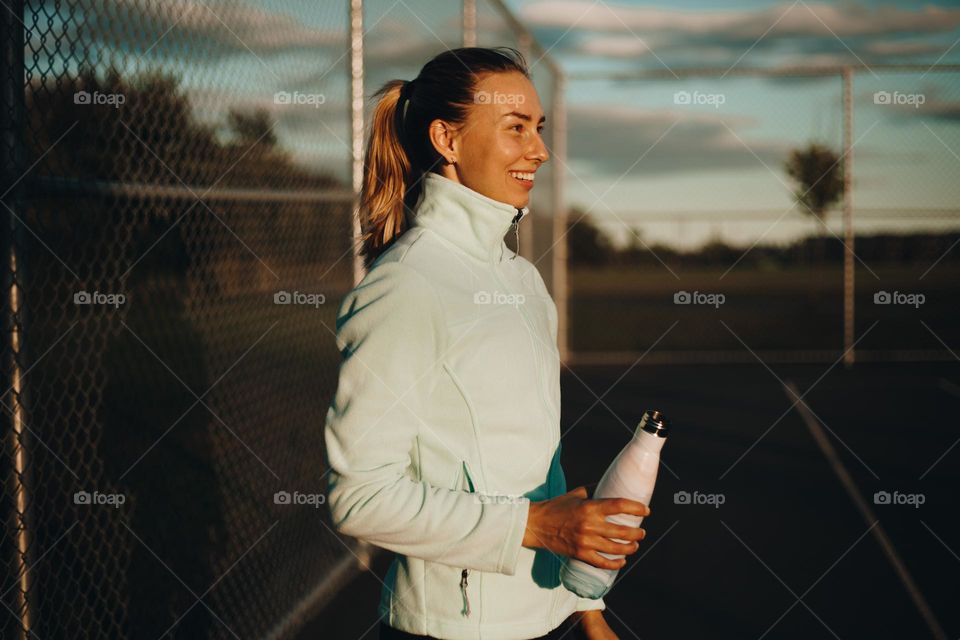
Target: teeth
522,175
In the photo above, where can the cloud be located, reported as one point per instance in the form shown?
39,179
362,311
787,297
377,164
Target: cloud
906,108
723,35
903,48
395,45
214,27
614,46
399,47
810,19
317,137
943,110
608,139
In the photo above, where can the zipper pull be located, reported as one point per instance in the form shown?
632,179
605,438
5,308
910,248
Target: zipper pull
516,231
463,590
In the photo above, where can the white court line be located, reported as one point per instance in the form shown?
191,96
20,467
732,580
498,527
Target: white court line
953,390
879,533
949,387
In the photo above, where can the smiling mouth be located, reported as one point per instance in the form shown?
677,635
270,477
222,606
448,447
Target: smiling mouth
523,176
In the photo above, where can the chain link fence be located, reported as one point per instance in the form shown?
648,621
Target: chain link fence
168,190
709,257
178,199
178,187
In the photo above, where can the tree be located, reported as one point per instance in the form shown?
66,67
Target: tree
252,128
587,243
819,176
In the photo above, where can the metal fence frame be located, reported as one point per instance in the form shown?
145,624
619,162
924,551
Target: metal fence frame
13,167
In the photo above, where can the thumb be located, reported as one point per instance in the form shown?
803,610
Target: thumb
579,492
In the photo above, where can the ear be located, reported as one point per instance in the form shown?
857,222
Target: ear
445,138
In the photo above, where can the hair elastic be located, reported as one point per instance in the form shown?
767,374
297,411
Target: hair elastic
405,92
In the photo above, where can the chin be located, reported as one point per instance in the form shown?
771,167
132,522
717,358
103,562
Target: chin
521,201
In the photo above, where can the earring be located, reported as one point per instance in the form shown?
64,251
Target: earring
451,160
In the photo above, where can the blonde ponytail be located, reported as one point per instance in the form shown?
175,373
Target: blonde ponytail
386,176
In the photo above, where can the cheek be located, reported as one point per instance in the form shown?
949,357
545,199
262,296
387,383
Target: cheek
507,149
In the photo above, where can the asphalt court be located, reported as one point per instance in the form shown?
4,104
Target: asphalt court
769,517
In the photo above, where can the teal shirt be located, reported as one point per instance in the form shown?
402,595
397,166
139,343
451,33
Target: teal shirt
445,424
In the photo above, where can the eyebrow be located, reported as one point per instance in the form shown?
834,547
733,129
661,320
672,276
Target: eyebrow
523,116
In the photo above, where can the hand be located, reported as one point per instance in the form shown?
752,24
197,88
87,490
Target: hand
593,626
572,525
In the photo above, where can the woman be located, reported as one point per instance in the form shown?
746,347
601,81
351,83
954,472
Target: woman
443,437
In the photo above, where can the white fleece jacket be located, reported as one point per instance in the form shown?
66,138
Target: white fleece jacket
445,424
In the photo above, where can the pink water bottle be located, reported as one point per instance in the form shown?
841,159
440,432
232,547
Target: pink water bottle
632,474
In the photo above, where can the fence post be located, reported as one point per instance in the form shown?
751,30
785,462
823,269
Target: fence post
356,127
469,24
364,550
560,237
848,236
525,248
14,167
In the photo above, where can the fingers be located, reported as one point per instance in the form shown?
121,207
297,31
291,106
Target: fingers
623,505
597,560
610,530
612,547
617,548
580,492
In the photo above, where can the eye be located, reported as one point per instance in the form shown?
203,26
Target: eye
517,125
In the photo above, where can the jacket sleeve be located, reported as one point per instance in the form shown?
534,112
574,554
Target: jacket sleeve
586,604
391,334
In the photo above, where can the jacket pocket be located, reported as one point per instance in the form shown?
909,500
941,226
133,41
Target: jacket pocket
464,478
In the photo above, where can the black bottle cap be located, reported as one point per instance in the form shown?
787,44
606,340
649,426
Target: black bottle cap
654,422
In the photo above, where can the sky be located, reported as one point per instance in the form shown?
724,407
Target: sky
637,154
720,160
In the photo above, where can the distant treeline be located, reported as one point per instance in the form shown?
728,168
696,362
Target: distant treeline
589,245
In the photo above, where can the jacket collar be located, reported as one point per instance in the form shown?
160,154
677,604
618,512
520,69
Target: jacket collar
466,218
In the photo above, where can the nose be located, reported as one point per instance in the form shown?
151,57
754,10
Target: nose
539,150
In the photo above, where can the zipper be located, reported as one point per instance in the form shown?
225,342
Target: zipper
538,355
516,231
463,590
464,573
515,223
537,346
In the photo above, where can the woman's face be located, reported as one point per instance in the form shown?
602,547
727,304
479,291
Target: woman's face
500,139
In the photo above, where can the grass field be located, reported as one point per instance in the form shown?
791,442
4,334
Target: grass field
629,309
